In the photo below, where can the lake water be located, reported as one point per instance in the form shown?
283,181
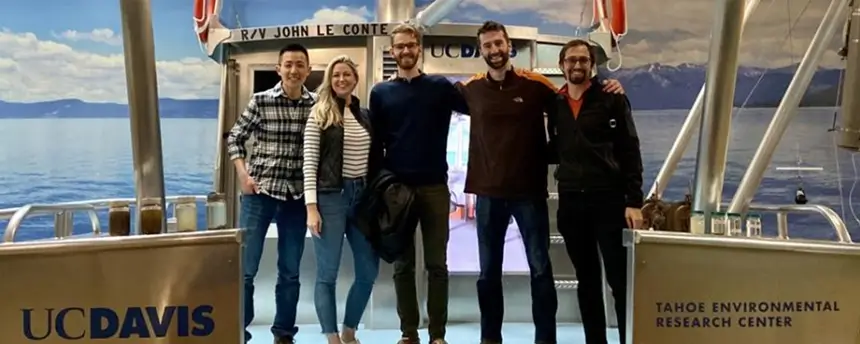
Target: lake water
57,160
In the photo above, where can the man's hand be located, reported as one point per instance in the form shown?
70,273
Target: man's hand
248,184
612,86
634,218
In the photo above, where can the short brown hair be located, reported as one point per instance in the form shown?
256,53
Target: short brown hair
408,29
490,26
573,44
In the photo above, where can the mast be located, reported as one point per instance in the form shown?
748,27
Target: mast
719,100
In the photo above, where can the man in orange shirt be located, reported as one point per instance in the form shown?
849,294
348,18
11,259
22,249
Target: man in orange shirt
599,183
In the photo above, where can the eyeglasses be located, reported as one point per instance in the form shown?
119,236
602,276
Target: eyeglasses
573,60
404,46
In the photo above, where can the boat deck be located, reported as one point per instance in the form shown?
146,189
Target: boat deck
518,333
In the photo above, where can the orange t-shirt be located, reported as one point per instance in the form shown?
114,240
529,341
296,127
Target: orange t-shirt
575,104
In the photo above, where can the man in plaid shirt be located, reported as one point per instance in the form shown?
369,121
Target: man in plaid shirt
272,183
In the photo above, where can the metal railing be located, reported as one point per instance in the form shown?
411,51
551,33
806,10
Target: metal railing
64,214
782,212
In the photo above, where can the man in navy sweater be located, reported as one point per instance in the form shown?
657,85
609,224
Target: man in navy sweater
411,114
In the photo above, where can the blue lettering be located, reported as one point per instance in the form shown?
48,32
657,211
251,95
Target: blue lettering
458,51
202,318
134,324
106,323
27,325
61,323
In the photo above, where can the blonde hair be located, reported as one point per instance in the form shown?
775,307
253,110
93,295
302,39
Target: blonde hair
408,29
326,112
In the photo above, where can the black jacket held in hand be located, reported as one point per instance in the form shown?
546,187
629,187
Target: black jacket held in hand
386,215
599,149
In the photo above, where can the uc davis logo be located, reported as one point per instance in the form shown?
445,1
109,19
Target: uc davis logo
104,323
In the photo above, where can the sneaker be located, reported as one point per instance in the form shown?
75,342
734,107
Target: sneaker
487,341
438,341
354,341
406,340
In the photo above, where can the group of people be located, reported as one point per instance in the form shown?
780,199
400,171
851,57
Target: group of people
314,153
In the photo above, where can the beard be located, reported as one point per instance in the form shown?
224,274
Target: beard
577,79
406,61
502,62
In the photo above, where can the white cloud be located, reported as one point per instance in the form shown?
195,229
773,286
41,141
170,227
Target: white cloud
680,33
38,70
106,36
339,15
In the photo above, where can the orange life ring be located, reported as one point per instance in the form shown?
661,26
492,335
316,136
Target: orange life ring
203,11
617,20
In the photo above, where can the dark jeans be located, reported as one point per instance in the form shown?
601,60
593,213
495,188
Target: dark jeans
433,204
532,218
258,211
592,225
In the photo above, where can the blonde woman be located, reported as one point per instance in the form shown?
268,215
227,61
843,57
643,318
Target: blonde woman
337,145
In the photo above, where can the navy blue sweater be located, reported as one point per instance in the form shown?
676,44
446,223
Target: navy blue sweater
411,118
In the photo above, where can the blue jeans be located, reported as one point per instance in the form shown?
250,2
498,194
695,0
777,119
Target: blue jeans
335,210
258,211
533,221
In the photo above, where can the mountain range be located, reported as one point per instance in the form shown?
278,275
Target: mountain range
650,87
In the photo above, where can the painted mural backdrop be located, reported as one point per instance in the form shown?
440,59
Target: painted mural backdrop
64,132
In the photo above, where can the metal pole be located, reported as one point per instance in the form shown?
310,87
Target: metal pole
719,99
393,11
226,180
142,86
435,12
830,24
694,118
850,134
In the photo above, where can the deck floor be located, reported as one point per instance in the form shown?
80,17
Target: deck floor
515,333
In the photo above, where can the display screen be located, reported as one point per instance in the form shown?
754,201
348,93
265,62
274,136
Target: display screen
463,243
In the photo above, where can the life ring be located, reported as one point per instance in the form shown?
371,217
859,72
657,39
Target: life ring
617,21
203,11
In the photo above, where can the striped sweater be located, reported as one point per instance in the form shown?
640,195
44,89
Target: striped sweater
356,147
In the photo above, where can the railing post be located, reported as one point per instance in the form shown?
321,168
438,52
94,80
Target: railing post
782,225
63,224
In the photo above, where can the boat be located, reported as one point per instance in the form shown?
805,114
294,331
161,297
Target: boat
245,56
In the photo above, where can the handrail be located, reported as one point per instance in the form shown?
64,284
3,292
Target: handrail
782,211
91,206
33,209
97,203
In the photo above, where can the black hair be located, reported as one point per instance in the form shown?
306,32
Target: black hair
490,26
577,43
294,48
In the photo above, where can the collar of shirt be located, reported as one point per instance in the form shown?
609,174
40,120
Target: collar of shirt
278,91
563,89
396,77
510,74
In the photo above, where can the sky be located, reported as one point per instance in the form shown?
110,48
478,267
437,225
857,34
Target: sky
73,48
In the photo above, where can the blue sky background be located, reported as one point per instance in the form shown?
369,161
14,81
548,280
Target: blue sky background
72,48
